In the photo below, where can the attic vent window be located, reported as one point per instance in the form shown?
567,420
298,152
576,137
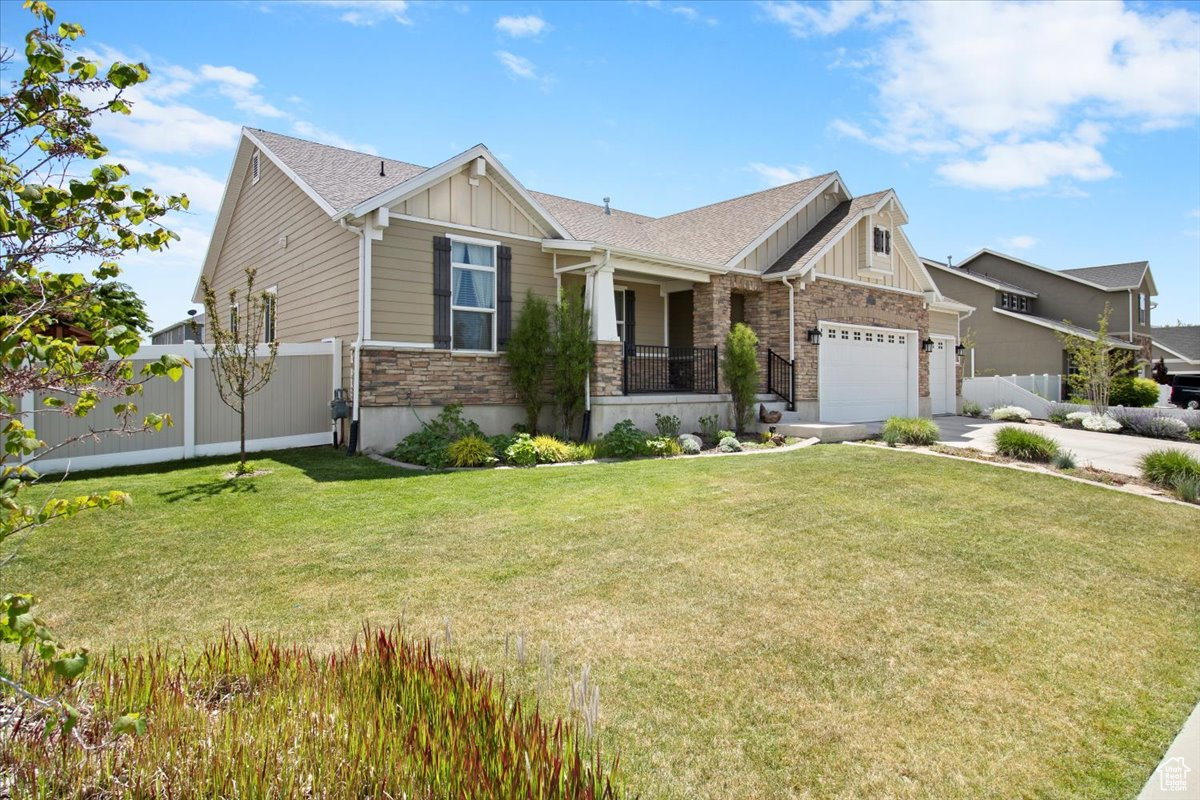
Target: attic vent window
254,173
883,241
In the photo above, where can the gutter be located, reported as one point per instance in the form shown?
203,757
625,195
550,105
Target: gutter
791,318
357,345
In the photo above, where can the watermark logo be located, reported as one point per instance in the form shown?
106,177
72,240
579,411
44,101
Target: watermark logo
1172,775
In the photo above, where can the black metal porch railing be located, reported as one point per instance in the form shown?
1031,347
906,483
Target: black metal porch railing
651,369
781,378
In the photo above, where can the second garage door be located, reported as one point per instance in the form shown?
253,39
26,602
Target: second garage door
866,374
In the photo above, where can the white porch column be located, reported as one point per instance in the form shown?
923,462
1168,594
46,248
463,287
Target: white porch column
604,309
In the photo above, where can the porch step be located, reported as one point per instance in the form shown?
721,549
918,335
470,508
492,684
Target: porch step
825,431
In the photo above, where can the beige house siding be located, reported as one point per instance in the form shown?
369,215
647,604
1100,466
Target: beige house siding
315,272
943,323
791,232
843,259
483,206
649,306
402,279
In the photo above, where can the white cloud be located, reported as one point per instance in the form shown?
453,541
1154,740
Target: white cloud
779,175
1019,242
1194,213
517,27
238,86
517,66
369,12
203,190
169,128
988,84
693,15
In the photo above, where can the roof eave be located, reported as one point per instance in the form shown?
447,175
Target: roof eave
834,178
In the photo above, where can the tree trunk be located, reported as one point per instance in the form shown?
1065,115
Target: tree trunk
242,427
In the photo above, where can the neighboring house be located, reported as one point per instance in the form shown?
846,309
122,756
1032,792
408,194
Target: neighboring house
1022,309
191,329
1179,348
418,274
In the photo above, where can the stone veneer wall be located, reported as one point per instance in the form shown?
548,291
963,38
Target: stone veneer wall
433,378
608,371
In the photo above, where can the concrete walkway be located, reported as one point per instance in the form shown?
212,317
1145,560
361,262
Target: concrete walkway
1175,777
1107,451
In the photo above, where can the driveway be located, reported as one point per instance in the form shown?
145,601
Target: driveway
1107,451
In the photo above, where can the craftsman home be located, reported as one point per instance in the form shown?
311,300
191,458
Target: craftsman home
417,274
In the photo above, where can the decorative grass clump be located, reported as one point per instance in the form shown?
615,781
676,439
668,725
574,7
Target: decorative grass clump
1164,467
1064,460
471,451
1025,445
910,430
386,717
550,450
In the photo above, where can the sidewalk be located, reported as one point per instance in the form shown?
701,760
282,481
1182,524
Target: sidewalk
1182,762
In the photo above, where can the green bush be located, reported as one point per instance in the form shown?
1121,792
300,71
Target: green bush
1194,435
573,352
664,446
667,425
1133,392
729,444
500,443
471,451
710,429
739,367
281,720
550,450
1025,445
522,452
1163,467
429,446
725,435
972,409
528,356
1186,488
581,451
1058,413
625,440
910,430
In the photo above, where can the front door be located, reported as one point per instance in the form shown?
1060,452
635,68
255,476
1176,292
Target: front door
679,319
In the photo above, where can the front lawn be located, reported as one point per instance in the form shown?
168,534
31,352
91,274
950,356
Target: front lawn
833,622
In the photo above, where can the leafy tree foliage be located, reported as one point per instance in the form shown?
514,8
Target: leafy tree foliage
240,368
573,352
1097,365
739,366
65,337
528,356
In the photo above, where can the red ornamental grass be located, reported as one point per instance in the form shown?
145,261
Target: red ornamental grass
252,717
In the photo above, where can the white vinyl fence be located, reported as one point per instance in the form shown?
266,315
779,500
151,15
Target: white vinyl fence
995,391
292,410
1047,386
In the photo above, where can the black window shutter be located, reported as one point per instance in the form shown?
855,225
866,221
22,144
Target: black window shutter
887,242
503,296
629,321
441,292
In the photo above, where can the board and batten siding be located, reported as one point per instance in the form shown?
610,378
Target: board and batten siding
402,278
315,270
778,243
843,259
482,206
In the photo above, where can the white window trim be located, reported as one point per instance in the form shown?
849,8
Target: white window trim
235,318
273,318
621,322
255,168
495,245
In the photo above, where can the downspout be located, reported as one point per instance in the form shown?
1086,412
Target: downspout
791,318
352,444
1131,316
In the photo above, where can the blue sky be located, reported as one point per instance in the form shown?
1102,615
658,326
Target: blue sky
1066,134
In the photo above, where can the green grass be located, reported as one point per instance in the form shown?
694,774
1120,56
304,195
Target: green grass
910,430
1026,445
832,622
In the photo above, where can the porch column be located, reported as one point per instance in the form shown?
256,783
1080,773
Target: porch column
603,306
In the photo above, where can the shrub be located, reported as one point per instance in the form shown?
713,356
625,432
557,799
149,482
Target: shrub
1011,414
528,356
724,435
1064,460
739,367
1101,423
581,451
471,451
910,430
689,445
663,446
1058,413
972,409
1162,467
625,440
428,446
729,444
1133,392
572,351
1152,424
1025,445
522,452
1194,435
1187,489
500,443
667,425
286,721
710,428
550,450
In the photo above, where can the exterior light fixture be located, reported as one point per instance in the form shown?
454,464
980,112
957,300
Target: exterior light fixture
927,345
959,349
814,335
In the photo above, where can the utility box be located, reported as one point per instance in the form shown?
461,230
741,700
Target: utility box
339,407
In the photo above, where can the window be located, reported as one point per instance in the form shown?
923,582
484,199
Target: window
233,320
619,301
472,295
269,315
1003,300
1024,306
254,173
1143,306
883,241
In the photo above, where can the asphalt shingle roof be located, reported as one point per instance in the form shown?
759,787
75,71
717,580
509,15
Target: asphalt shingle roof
711,234
983,275
1113,276
1078,330
1183,339
825,231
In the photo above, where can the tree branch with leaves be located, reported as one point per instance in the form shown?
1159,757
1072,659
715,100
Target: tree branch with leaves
1096,364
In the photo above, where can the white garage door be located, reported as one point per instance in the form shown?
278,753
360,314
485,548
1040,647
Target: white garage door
864,373
941,377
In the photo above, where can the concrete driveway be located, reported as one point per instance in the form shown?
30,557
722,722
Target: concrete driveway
1107,451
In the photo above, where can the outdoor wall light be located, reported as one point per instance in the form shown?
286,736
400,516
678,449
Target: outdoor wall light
959,349
927,345
814,335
